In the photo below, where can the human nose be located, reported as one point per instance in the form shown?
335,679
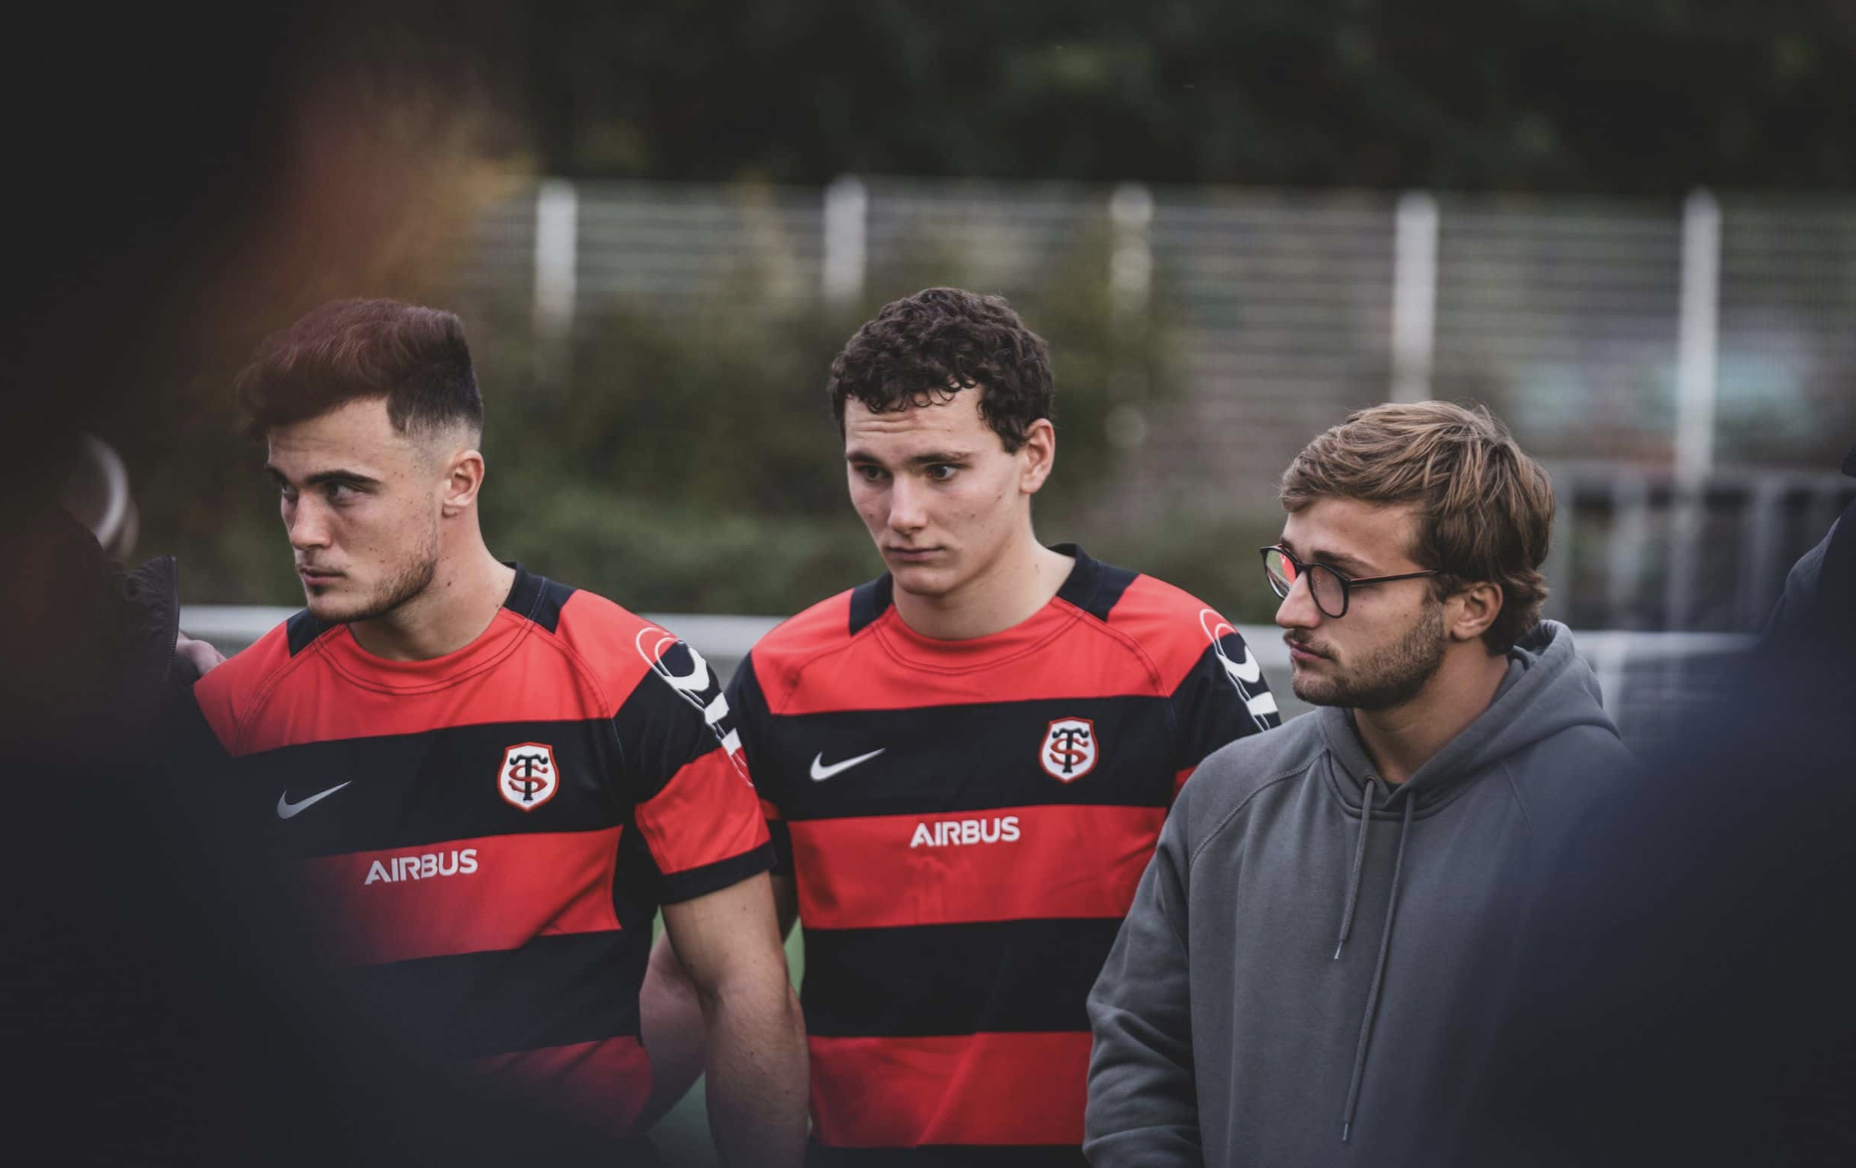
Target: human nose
307,524
1297,610
907,507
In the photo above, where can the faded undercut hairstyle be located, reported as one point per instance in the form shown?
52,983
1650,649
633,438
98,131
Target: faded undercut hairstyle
354,350
1484,508
925,348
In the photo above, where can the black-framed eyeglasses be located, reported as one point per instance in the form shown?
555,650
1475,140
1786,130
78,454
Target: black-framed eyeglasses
1331,589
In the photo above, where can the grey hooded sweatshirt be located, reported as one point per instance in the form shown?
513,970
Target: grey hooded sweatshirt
1301,984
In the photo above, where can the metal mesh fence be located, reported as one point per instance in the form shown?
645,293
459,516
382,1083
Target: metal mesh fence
1278,311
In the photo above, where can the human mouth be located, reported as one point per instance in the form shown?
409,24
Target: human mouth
317,577
1301,654
910,555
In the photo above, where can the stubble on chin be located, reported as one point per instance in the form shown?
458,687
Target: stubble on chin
405,585
1390,677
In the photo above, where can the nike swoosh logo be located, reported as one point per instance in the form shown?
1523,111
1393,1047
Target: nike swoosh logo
821,772
287,809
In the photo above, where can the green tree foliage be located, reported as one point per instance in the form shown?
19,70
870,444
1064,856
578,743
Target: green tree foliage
682,462
1648,97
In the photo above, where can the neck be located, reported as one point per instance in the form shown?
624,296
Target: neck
454,610
1006,593
1402,738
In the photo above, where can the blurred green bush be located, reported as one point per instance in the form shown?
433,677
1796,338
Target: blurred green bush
687,461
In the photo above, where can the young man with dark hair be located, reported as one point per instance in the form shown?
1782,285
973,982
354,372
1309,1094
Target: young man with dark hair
488,780
1311,967
966,761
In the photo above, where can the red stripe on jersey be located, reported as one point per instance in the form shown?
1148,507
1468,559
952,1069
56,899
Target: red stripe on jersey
1172,625
515,671
770,811
964,1089
1077,655
709,793
1008,864
1179,780
223,691
461,896
531,682
603,1084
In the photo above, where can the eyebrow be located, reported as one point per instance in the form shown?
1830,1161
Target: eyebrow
932,458
353,478
1349,564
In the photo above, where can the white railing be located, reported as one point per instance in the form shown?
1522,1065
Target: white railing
1644,676
1704,342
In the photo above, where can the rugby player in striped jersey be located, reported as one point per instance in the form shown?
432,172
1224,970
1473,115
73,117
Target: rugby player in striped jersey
965,763
485,782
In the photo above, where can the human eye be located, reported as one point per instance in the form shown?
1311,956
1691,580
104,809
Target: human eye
340,492
941,472
869,473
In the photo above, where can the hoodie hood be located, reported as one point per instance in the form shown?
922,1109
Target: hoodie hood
1549,689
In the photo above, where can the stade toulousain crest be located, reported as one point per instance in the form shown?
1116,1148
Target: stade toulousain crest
1069,750
529,777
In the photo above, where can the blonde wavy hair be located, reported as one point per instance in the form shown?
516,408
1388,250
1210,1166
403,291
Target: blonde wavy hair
1484,508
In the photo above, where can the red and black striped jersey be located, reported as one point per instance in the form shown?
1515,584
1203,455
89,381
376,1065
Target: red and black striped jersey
483,838
965,822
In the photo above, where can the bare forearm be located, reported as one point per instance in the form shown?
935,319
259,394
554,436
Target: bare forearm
757,1077
675,1034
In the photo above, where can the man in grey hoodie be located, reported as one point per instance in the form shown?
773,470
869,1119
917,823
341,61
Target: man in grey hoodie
1316,953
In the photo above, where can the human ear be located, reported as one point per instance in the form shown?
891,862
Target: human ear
1037,456
463,479
1470,610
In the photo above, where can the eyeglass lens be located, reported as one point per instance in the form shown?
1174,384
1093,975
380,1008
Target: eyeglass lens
1329,593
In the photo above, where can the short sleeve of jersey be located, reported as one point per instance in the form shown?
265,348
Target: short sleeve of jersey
753,721
695,803
1223,698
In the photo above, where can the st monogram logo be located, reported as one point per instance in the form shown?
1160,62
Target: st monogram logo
1069,750
529,777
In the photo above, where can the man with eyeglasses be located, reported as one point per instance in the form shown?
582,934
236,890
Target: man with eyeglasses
1311,969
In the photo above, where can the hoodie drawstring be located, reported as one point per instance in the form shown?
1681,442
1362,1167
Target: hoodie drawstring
1379,968
1359,854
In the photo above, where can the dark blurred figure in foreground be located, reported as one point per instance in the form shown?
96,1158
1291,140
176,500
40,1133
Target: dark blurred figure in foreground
148,1012
1813,610
1686,996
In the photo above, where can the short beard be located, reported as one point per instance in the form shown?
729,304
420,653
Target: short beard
405,585
1388,678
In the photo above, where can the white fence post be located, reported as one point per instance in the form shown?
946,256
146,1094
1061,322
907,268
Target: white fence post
1696,352
1131,260
847,219
1696,341
557,246
1414,296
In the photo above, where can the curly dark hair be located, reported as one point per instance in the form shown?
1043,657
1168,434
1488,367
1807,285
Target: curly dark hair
927,347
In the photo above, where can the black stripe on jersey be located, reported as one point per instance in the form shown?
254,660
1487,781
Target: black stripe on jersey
949,1156
537,598
989,750
1093,586
678,886
407,790
553,991
669,713
1010,976
301,629
869,601
780,836
1210,705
